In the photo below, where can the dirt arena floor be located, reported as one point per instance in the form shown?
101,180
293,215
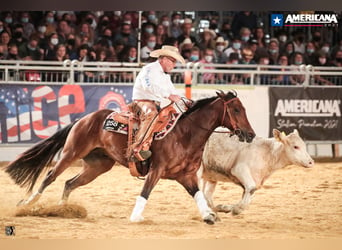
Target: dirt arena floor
295,203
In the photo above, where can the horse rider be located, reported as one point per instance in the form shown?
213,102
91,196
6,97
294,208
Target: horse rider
152,86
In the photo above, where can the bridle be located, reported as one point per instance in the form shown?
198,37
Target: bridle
226,111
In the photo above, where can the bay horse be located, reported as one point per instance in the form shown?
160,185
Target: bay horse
177,156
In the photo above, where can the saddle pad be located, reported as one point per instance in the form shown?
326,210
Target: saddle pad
115,126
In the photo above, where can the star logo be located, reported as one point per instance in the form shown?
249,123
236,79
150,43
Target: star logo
277,20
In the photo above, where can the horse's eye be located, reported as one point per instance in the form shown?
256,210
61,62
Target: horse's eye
236,110
296,147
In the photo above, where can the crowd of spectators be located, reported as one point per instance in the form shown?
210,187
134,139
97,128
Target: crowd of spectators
112,36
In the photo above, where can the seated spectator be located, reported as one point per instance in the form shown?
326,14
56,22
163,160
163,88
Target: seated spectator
71,47
299,41
126,36
187,32
259,36
264,79
146,50
232,78
195,54
13,55
282,36
17,36
273,51
152,17
234,48
309,54
101,26
63,30
175,28
148,29
86,31
5,37
31,49
8,22
322,60
26,22
50,50
129,54
85,54
161,36
297,59
208,57
326,48
226,31
207,39
245,35
220,46
60,55
13,52
51,25
283,60
102,76
317,39
185,48
165,22
288,49
247,57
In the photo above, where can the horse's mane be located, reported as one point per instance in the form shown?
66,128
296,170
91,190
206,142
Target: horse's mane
203,102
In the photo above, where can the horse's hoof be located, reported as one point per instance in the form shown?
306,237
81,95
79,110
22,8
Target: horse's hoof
136,218
21,203
224,208
210,219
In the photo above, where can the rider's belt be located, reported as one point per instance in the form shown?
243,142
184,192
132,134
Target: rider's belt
146,100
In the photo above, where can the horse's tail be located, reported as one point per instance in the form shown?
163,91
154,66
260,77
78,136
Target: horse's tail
26,169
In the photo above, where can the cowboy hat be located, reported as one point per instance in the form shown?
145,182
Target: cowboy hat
210,31
186,41
220,39
168,50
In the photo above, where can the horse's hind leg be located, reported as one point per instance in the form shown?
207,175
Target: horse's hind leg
190,183
91,169
51,176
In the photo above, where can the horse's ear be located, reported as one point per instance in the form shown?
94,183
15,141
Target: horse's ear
220,93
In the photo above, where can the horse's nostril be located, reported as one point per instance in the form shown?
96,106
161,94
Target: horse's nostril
237,132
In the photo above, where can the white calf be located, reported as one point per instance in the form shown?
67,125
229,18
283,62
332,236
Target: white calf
248,164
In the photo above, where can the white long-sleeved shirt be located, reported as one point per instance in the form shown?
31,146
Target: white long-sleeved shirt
152,83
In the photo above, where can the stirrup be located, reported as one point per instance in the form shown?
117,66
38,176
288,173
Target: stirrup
142,155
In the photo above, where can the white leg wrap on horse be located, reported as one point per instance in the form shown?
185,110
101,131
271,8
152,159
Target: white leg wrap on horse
202,204
138,209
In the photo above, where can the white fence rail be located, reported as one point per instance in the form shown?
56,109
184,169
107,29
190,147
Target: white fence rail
113,72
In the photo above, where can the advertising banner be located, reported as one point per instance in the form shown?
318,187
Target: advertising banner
314,111
29,113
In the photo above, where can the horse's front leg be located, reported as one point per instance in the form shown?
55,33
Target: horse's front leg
190,183
151,180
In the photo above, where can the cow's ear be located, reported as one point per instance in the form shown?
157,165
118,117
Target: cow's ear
279,136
